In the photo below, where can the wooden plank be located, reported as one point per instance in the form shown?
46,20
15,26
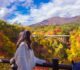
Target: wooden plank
69,67
4,61
55,63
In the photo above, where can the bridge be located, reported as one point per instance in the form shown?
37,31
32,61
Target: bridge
61,38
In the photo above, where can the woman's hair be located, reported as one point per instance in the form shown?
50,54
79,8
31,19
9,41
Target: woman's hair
24,36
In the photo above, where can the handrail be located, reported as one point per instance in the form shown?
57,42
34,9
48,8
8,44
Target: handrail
4,61
53,65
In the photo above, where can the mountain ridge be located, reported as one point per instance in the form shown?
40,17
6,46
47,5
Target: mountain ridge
57,21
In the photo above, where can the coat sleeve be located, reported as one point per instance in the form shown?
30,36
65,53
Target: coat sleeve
40,61
20,58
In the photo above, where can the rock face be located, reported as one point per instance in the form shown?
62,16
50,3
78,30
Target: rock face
58,21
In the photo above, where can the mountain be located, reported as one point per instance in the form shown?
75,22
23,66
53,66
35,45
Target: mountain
58,21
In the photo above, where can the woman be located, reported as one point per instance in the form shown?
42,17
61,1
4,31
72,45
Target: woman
24,56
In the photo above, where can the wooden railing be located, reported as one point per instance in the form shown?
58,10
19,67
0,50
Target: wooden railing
54,65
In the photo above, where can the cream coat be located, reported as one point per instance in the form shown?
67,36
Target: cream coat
25,58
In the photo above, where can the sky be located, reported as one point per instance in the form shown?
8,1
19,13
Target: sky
29,12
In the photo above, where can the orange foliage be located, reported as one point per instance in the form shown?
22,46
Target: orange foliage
40,68
76,59
1,34
78,39
1,38
1,53
54,33
50,33
40,33
73,32
69,41
58,29
1,43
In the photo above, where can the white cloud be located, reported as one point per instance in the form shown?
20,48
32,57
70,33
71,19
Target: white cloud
61,8
27,3
5,3
5,12
2,12
20,19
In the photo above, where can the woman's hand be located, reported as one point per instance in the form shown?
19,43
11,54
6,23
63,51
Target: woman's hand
12,64
46,61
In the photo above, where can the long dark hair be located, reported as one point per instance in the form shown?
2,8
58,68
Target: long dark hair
24,36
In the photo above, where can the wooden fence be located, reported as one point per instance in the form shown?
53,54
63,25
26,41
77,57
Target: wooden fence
54,65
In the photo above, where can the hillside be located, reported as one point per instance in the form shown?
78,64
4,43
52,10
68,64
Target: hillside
58,21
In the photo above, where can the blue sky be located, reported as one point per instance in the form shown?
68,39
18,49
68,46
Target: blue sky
29,12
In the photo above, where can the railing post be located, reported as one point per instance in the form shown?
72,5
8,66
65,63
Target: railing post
55,63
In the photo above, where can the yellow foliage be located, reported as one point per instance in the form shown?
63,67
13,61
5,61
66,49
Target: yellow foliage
27,27
40,33
43,42
2,57
34,33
